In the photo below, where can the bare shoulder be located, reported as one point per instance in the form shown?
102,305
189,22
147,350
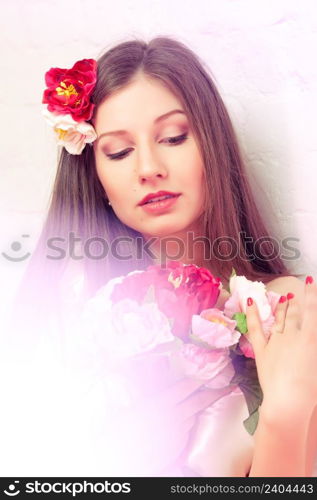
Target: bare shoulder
286,284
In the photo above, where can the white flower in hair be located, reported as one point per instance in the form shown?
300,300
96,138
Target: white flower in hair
71,134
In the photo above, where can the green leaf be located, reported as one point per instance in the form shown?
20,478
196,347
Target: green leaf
246,378
233,273
241,320
251,422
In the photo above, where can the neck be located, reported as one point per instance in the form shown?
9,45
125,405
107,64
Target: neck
188,247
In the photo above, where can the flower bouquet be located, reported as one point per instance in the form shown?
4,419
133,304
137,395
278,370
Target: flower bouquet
160,325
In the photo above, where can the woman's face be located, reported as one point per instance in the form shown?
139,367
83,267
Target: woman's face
140,151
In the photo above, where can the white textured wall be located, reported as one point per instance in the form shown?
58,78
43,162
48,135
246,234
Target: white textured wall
262,55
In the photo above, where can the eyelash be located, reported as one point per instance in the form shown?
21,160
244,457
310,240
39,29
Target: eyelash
172,141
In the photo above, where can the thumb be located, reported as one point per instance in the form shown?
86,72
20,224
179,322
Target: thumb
255,331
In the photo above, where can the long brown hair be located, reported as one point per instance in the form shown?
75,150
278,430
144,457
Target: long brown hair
79,203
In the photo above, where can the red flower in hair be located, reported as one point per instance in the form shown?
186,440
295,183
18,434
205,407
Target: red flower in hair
69,90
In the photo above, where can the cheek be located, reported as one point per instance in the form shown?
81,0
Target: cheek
112,183
100,170
200,173
195,167
198,184
195,178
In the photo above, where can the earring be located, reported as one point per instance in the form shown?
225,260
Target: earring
109,203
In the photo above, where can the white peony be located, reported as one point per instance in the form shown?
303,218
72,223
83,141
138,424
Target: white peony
70,134
243,288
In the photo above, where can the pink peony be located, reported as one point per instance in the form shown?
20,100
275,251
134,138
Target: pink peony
215,329
124,328
180,291
213,366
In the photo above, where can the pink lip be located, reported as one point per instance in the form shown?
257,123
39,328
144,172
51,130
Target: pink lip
157,207
155,195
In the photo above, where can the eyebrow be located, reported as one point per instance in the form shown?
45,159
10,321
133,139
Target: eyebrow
157,120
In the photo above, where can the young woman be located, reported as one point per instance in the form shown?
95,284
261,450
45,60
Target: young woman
162,131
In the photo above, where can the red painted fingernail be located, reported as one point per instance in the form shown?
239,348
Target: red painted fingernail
282,299
250,301
290,296
309,280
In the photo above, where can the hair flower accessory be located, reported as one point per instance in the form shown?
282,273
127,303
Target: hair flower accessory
68,104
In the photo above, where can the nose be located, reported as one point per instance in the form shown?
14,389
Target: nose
150,166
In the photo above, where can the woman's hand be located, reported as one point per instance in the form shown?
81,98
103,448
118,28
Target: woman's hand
287,362
155,433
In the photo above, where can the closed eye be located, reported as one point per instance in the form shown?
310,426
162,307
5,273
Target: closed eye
171,141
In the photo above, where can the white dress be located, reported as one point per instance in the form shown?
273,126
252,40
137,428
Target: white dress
222,447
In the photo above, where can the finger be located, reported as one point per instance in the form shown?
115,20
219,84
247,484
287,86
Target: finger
309,323
280,315
292,318
255,331
202,400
